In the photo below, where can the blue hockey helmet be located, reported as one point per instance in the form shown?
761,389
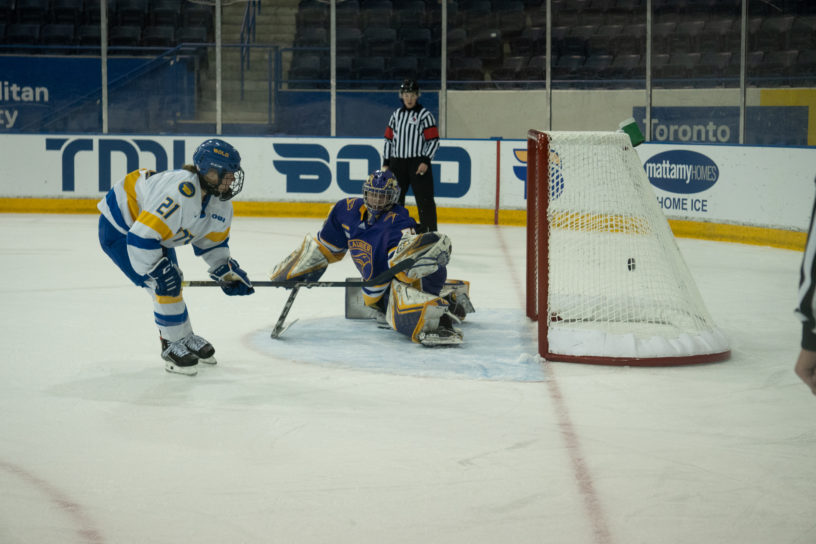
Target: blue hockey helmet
219,156
380,191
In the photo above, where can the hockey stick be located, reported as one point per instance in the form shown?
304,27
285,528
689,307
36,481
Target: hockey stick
295,286
377,280
384,277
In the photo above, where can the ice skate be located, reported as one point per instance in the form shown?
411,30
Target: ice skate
178,358
201,348
444,335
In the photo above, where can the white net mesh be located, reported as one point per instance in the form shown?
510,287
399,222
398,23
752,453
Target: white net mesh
617,284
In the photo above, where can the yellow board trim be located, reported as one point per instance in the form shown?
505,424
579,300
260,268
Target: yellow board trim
781,238
793,97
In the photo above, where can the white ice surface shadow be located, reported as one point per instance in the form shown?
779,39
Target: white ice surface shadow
500,344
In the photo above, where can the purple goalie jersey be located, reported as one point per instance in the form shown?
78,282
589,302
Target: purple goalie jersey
370,245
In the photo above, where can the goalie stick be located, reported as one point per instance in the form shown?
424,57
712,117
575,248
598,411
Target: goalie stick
295,286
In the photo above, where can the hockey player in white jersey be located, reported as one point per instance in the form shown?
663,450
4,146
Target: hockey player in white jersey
146,215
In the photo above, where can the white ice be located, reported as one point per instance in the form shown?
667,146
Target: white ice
344,433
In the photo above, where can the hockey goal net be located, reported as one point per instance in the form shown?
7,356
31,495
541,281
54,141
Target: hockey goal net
605,278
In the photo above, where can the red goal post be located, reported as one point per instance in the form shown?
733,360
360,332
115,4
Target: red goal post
605,279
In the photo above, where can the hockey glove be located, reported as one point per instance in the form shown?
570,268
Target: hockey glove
233,280
167,277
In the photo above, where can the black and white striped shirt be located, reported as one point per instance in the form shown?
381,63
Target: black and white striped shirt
411,133
806,308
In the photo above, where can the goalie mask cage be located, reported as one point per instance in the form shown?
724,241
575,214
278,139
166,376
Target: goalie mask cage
605,278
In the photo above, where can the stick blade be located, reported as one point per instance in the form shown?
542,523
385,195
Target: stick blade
278,331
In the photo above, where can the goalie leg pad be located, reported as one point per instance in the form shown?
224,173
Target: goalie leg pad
306,263
415,313
431,250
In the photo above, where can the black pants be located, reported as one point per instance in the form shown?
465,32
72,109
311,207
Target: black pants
423,186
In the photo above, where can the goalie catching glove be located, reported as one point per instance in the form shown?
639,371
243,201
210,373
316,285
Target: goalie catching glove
232,279
430,250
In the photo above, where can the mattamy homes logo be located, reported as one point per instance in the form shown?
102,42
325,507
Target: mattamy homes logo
682,171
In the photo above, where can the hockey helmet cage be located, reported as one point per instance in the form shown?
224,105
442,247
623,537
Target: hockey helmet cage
380,191
223,158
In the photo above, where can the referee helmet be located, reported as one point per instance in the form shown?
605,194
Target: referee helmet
409,86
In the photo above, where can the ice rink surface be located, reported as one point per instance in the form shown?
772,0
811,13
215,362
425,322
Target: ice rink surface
340,432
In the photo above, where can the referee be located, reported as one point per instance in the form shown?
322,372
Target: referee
411,139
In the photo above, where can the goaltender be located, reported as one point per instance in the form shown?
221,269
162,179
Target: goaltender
379,234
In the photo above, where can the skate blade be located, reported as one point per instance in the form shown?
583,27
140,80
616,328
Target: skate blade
208,360
191,370
433,340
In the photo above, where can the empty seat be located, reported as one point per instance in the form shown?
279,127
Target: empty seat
66,11
343,69
716,34
403,68
306,72
410,13
457,42
605,40
488,46
510,69
596,66
415,41
130,12
348,40
369,69
805,71
528,43
6,12
512,19
575,43
197,15
58,34
778,65
89,35
31,11
312,37
687,36
803,33
158,36
466,69
536,69
714,63
22,33
195,34
378,13
568,66
478,16
165,12
682,65
626,66
125,36
379,41
314,14
772,33
662,34
347,13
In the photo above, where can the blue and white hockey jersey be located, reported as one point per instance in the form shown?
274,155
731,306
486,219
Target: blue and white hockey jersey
166,209
371,246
